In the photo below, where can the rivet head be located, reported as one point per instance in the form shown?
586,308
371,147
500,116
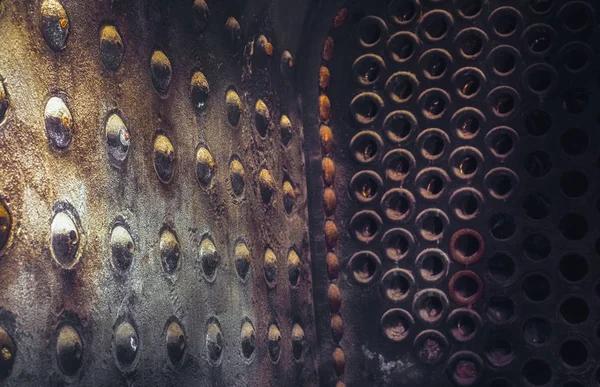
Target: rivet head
65,238
289,196
214,341
261,116
267,185
205,166
161,70
233,30
55,24
176,342
58,122
263,46
201,13
111,47
8,352
209,258
285,129
293,267
69,350
233,106
170,250
274,342
3,100
164,158
242,259
237,174
270,267
297,341
199,91
5,224
248,339
126,344
122,247
118,139
286,64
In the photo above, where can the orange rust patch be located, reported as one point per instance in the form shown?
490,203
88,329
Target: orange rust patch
328,49
329,201
328,171
63,23
339,361
340,18
331,235
333,265
324,78
324,107
326,139
337,327
269,49
335,297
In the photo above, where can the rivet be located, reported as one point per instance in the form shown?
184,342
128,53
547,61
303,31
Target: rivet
339,361
205,166
326,139
214,341
335,298
293,267
328,49
331,234
242,259
264,45
55,24
58,122
3,100
270,267
248,338
289,196
333,265
261,115
69,350
8,353
286,64
118,139
199,91
329,201
122,247
324,78
337,327
209,258
126,344
234,107
328,171
164,158
170,250
176,342
111,47
285,129
5,224
297,341
233,30
161,71
324,108
340,17
274,342
267,185
201,13
237,174
65,246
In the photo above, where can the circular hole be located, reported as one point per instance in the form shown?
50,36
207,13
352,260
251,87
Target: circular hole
396,284
466,246
574,184
397,165
395,324
366,147
538,122
433,146
464,368
538,164
464,324
402,11
400,86
433,106
504,21
469,8
398,204
398,126
501,267
365,267
537,331
573,267
468,122
365,186
502,226
465,162
573,353
499,352
430,305
435,63
465,287
503,104
365,107
536,287
431,182
466,203
432,264
432,225
536,206
365,226
502,144
430,346
573,226
402,46
540,6
468,84
396,244
537,372
576,16
501,183
574,142
504,60
370,30
367,69
576,56
539,38
500,309
575,101
470,42
435,25
536,247
539,79
574,310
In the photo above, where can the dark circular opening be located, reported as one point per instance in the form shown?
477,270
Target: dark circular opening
466,372
502,185
396,285
431,186
368,70
468,165
539,39
502,144
434,106
396,206
401,47
499,352
436,65
365,227
432,227
573,267
574,142
573,226
433,146
503,62
504,104
500,309
465,287
467,245
432,267
537,331
397,127
468,126
467,206
505,23
402,90
575,16
370,32
471,45
430,308
402,11
397,246
364,267
501,267
396,324
537,372
469,8
538,164
502,226
365,108
538,122
536,247
574,310
575,58
536,287
574,184
464,328
573,353
536,206
540,80
436,27
575,101
366,148
468,85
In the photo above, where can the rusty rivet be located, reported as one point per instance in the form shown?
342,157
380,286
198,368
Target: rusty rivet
3,100
176,342
170,250
237,174
122,247
58,122
466,246
328,49
261,116
465,287
233,106
118,139
210,258
270,267
126,344
340,384
214,341
69,350
329,201
286,64
340,17
65,246
324,108
267,185
264,45
242,259
289,196
297,341
161,71
55,24
333,265
326,139
201,13
285,129
274,342
337,327
111,47
335,298
328,171
339,361
8,353
293,267
233,30
5,224
199,91
205,166
164,158
331,234
248,339
324,78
